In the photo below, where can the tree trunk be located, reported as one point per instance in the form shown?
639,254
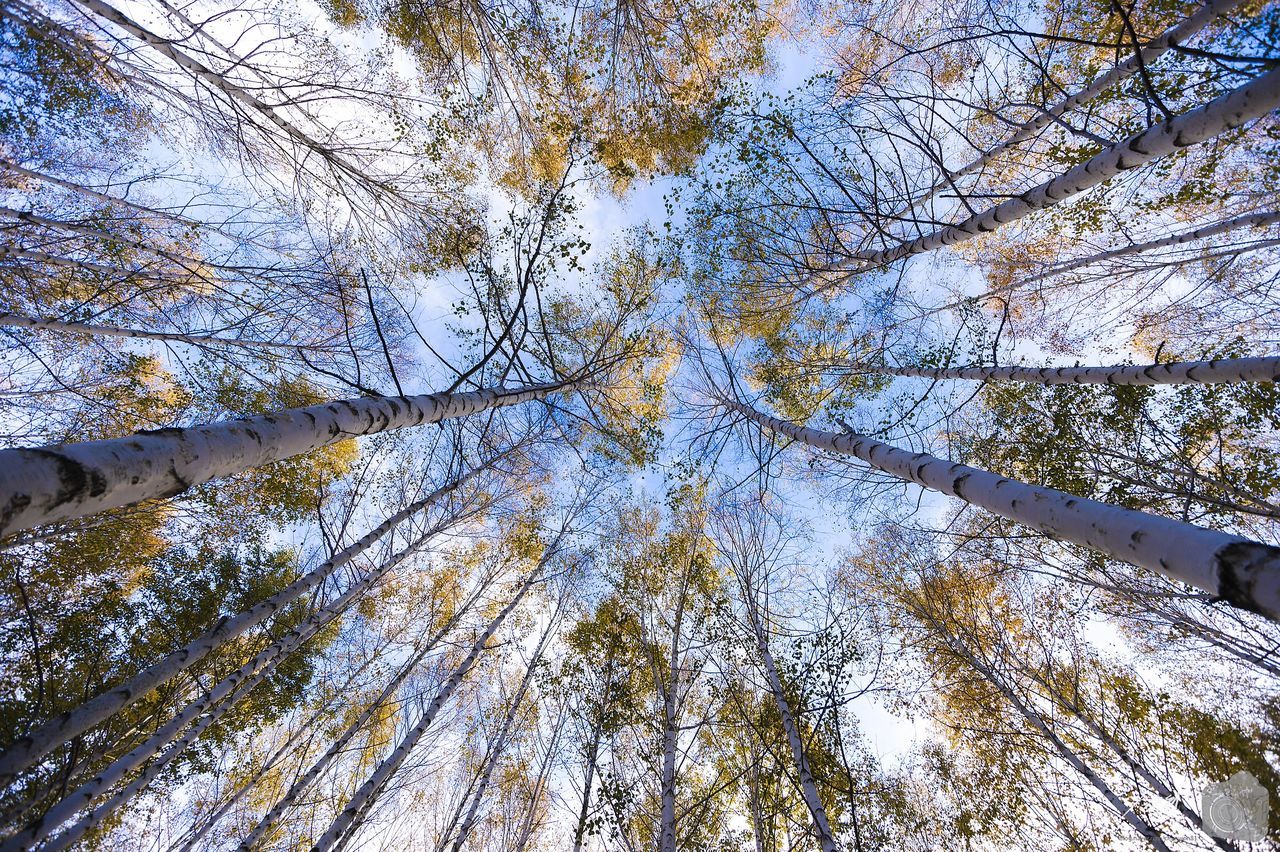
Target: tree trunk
339,746
500,744
196,339
1218,371
346,822
1136,766
220,83
198,830
593,754
211,705
28,749
808,787
1153,50
1256,98
580,831
57,483
544,771
670,739
1244,573
110,200
1121,807
1249,220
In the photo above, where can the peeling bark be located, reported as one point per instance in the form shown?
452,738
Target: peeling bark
56,483
1244,573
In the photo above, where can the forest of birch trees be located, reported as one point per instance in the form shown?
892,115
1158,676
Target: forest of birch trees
767,425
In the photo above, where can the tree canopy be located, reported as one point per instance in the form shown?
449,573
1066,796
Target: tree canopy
639,424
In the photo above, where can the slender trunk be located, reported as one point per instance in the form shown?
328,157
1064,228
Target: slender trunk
1244,573
593,754
103,812
166,281
346,822
530,817
110,200
339,746
211,706
1153,50
1218,371
1254,99
27,750
1249,220
56,483
220,83
1121,807
500,744
190,264
808,787
198,830
757,818
580,831
196,339
1136,766
670,737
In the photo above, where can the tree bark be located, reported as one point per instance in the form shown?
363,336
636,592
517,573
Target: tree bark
1153,50
346,821
302,784
65,481
1135,765
1121,807
808,787
1245,573
1249,220
1217,371
500,744
670,736
197,339
1254,99
198,830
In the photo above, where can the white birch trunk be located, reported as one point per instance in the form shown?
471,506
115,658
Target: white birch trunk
164,281
1254,99
110,200
1121,807
1152,51
61,482
1217,371
196,339
500,745
580,831
1249,220
1136,766
104,811
339,746
363,799
28,218
1244,573
808,787
28,749
217,81
215,699
670,737
530,822
198,830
